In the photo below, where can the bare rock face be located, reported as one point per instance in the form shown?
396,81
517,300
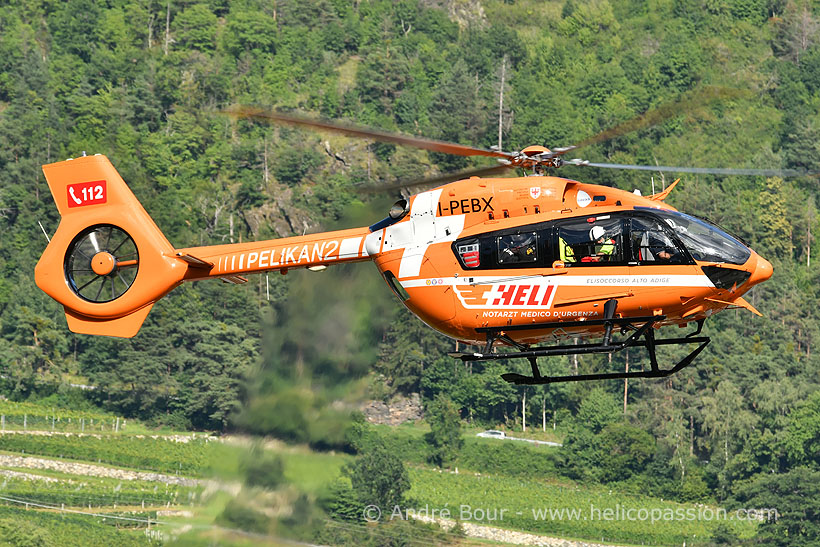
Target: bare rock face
463,12
398,411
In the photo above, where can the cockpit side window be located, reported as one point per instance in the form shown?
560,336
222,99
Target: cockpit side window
651,244
704,241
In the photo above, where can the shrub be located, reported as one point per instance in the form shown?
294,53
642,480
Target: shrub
263,469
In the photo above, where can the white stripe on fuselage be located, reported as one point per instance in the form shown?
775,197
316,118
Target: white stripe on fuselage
349,248
671,280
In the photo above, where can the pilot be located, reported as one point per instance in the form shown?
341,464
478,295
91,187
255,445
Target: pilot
604,245
663,250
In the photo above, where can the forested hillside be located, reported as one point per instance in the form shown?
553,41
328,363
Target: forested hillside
144,83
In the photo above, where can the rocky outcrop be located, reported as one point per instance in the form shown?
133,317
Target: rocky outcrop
399,410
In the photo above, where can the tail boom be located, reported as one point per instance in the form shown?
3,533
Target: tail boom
108,290
306,251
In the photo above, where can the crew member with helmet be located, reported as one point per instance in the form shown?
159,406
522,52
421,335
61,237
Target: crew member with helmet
604,245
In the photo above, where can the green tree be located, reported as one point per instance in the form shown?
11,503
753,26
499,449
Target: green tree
802,440
598,409
445,431
775,229
584,446
726,420
195,27
625,451
795,496
408,348
378,478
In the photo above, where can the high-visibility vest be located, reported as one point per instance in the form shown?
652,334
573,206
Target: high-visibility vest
607,248
565,251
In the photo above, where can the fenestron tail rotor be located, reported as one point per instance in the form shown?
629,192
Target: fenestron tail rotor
101,263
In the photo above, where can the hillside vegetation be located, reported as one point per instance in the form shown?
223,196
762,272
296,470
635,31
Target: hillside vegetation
145,83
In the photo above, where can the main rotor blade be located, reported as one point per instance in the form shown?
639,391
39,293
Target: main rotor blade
699,170
696,98
271,116
438,180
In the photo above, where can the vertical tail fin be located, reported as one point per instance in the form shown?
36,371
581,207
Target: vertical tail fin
108,262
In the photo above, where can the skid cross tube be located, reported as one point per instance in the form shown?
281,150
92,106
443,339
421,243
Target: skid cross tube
643,335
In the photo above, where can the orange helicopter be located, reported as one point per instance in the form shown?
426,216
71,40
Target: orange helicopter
523,262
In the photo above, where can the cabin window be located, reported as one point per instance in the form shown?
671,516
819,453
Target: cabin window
529,246
517,248
591,241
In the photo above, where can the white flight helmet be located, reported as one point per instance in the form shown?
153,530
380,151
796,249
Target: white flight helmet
596,233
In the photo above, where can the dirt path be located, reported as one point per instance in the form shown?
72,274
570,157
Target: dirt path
479,531
73,468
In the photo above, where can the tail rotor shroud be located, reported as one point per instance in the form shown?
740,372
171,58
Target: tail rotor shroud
101,263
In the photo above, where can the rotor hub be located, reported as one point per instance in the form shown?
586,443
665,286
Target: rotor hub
103,263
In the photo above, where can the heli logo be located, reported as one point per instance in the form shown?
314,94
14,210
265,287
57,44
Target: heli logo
87,193
524,296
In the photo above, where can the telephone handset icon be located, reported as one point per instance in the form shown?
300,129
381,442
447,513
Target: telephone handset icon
76,200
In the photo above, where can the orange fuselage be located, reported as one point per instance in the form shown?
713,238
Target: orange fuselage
472,254
456,300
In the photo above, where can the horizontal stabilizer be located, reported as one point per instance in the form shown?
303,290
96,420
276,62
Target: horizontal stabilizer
122,327
234,279
740,302
195,262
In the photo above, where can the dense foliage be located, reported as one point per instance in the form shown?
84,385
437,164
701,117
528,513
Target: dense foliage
445,431
143,82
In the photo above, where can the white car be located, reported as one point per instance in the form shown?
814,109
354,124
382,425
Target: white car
492,434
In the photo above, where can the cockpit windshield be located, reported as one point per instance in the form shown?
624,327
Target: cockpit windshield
706,242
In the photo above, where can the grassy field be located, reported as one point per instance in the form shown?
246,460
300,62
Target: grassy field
27,416
503,484
485,495
21,527
312,471
563,508
70,505
154,454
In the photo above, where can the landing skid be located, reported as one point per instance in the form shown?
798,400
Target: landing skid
642,335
